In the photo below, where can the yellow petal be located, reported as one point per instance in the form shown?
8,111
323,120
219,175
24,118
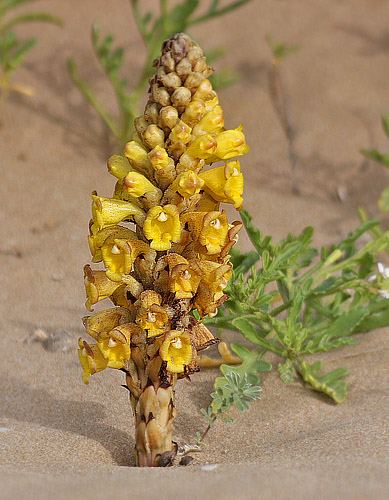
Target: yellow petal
162,226
109,211
230,143
104,321
176,349
91,359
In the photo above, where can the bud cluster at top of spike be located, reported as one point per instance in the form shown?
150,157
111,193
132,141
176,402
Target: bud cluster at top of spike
162,237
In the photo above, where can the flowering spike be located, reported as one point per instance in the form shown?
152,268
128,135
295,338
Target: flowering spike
173,259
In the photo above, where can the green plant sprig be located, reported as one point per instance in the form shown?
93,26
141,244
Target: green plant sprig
154,29
383,159
294,301
13,50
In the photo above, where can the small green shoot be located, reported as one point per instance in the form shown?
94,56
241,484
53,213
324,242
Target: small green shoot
14,50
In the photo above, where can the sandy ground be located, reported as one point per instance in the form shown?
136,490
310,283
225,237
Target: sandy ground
61,439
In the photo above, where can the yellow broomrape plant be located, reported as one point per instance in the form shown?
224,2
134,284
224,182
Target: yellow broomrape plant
164,242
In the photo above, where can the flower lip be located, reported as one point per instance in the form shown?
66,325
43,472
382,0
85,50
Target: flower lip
176,350
162,226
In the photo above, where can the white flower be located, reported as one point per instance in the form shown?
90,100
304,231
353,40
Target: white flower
384,271
384,293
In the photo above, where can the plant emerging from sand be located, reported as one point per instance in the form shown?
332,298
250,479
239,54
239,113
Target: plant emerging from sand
174,259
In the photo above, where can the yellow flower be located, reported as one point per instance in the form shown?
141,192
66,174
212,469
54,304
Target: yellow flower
188,183
98,287
97,240
176,349
119,256
225,183
214,231
210,228
109,211
151,315
115,345
105,321
230,143
202,147
184,280
162,226
91,359
212,122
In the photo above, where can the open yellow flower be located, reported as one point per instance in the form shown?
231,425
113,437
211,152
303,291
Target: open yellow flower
119,256
225,183
91,359
213,234
115,345
176,349
97,286
97,240
151,315
162,226
183,280
110,211
230,143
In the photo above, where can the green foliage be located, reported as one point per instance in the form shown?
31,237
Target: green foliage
383,202
154,28
383,159
13,50
299,301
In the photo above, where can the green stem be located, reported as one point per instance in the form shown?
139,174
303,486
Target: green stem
31,17
139,21
217,13
89,95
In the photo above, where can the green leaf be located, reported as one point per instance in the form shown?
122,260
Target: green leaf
330,384
373,154
385,124
6,5
243,262
18,56
252,363
354,235
286,371
346,323
178,17
383,202
247,330
255,235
